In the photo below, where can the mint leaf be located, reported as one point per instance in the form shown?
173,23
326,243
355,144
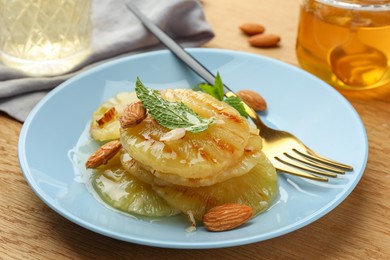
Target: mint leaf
216,90
218,85
209,89
236,103
171,115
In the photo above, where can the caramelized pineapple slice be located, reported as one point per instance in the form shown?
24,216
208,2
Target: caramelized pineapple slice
105,125
122,191
198,155
250,158
257,189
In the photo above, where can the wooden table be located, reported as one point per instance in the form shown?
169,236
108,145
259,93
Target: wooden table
358,228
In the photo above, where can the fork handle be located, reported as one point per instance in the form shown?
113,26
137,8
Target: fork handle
175,48
190,61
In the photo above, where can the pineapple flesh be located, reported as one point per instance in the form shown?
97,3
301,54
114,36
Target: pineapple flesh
256,189
156,177
110,130
251,156
196,155
122,191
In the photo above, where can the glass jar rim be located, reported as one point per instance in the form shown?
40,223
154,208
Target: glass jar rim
353,5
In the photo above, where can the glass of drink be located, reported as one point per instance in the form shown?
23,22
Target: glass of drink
45,37
346,42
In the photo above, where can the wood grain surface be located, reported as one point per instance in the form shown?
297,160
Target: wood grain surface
359,228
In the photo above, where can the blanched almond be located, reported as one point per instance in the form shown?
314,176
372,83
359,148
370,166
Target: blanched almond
173,135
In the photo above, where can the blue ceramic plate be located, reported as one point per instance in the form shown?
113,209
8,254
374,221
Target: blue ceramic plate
297,102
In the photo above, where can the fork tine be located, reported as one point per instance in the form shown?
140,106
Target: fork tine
301,166
317,157
280,166
298,157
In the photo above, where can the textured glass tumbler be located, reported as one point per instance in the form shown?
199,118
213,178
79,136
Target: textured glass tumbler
45,37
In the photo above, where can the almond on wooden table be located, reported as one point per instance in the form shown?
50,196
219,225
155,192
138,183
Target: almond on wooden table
227,216
252,28
264,40
252,99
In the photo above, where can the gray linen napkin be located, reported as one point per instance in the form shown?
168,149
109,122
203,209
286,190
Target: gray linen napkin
116,33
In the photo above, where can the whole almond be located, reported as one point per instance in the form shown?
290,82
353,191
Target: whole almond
227,216
264,40
103,154
132,115
252,28
252,99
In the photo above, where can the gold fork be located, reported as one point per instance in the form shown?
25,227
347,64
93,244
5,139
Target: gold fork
286,152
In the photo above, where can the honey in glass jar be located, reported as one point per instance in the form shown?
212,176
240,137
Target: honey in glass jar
345,42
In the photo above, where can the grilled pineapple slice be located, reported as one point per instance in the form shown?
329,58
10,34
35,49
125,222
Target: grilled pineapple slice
257,188
198,155
250,158
110,130
124,192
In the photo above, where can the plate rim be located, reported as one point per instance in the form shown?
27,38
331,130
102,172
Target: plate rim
22,157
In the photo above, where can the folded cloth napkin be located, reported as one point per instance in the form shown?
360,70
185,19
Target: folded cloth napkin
117,33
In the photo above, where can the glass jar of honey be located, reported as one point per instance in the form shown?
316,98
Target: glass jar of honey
345,42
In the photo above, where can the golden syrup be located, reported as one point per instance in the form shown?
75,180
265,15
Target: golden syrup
346,46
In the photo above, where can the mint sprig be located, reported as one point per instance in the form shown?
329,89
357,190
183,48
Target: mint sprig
171,115
237,103
217,91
